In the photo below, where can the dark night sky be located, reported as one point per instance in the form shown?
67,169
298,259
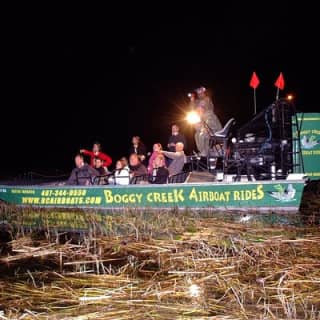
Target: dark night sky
79,74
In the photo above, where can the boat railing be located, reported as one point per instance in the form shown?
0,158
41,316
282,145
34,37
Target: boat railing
35,178
111,179
106,179
102,179
180,177
140,179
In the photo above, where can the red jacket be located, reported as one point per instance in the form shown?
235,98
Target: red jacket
107,160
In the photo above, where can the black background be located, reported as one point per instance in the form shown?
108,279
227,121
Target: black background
77,74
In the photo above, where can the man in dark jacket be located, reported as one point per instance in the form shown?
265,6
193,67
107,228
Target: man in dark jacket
138,171
176,136
83,174
160,172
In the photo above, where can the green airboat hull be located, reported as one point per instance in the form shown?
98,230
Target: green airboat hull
100,201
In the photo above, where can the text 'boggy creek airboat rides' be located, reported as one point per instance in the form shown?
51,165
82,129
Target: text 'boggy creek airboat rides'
258,166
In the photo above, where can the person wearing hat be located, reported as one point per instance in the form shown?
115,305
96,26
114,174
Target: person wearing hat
203,99
209,123
192,100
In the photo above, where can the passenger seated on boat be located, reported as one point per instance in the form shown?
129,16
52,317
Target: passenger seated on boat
160,171
97,153
83,173
138,171
103,172
125,162
99,166
139,148
178,159
156,151
120,175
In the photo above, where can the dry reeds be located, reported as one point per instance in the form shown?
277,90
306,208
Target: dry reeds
166,265
216,269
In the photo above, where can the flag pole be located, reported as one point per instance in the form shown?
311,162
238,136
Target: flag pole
254,83
279,84
254,101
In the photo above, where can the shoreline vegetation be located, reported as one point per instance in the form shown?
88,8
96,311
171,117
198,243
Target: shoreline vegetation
167,265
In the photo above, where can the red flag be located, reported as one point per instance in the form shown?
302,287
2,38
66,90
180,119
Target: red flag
280,82
254,82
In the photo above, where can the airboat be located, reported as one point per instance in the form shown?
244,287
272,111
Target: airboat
258,167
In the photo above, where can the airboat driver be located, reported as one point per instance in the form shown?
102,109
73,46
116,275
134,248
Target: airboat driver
209,122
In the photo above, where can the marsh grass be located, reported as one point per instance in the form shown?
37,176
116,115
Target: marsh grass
165,265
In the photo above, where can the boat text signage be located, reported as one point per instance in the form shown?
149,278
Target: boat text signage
309,124
196,196
229,196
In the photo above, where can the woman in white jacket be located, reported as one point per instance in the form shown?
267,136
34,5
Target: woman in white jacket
121,174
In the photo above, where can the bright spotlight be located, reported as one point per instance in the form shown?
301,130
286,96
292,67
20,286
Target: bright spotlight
193,117
290,97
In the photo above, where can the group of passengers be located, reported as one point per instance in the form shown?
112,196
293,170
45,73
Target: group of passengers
155,168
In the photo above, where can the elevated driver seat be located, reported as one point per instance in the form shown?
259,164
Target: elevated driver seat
221,137
219,140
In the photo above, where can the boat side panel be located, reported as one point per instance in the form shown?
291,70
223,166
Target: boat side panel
278,194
